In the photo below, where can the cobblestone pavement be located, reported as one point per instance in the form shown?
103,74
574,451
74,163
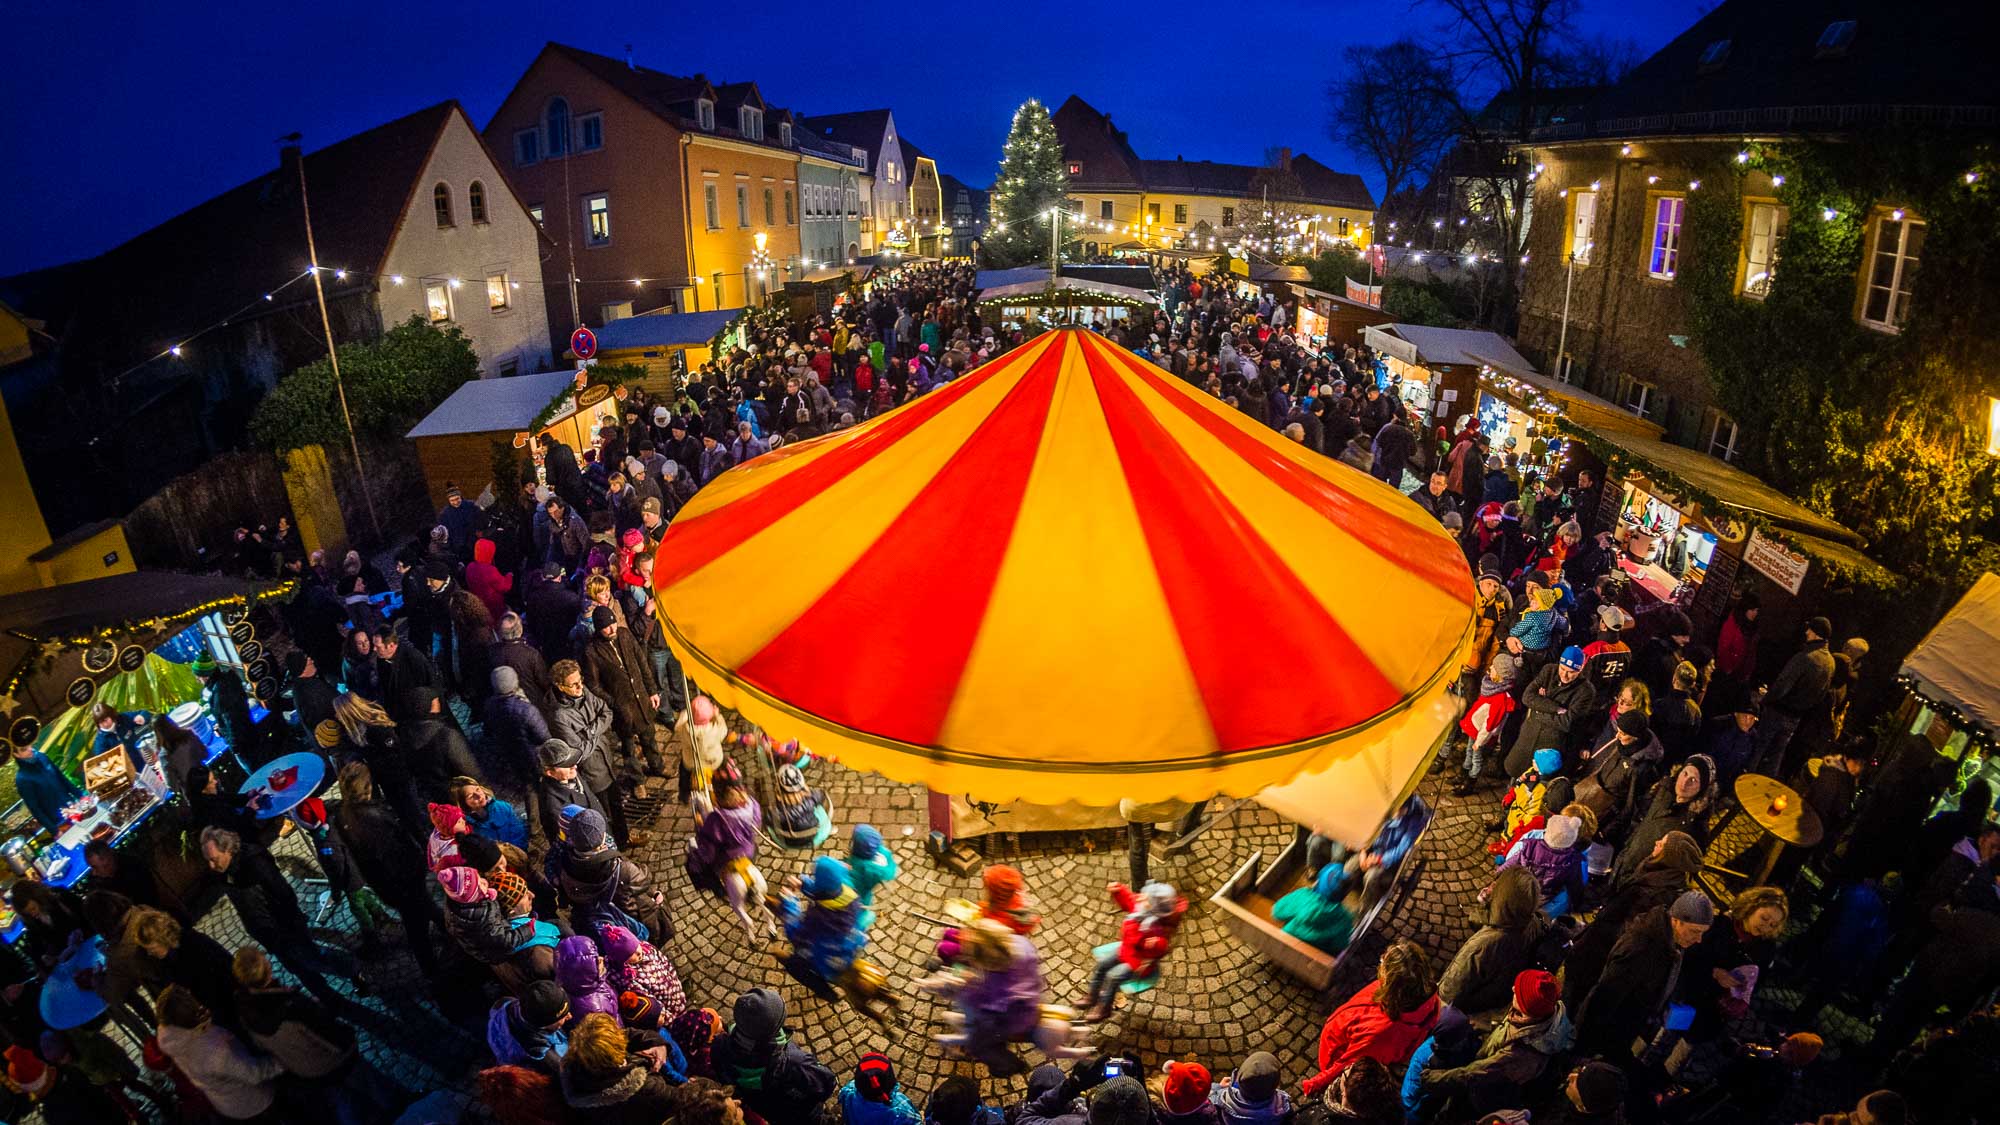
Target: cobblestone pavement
1216,1001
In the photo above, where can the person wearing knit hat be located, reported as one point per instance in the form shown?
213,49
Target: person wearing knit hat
1007,899
1253,1092
586,832
464,885
1556,856
447,824
1537,994
327,734
1515,1053
528,1030
872,1096
1678,802
1693,909
26,1069
1640,978
479,853
1595,1090
756,1046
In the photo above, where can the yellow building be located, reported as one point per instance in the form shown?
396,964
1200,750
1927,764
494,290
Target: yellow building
31,559
1122,201
743,240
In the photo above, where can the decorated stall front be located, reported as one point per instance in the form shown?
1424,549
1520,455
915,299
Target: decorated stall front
130,642
486,421
1090,293
1953,680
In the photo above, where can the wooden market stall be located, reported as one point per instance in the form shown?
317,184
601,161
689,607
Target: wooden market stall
667,345
1953,681
456,443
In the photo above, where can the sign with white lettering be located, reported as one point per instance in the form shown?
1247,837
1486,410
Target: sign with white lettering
1776,561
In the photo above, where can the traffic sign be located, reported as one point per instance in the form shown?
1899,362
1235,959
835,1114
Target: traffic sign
583,342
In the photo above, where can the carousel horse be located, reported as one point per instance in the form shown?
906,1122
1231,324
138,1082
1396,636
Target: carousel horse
722,853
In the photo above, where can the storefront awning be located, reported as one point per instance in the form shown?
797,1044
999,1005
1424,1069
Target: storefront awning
1954,663
1729,485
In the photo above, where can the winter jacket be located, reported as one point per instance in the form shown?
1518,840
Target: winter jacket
1557,871
1664,813
550,796
580,971
1513,1055
634,1094
777,1081
585,722
296,1031
1315,914
383,852
1552,712
1624,773
636,966
237,1081
485,580
515,729
529,666
485,932
551,608
262,896
1481,975
1630,994
1232,1108
603,878
618,672
1801,684
500,822
514,1043
857,1110
436,752
1362,1027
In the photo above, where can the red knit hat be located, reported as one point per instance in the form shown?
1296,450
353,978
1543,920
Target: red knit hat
1536,993
28,1071
1187,1087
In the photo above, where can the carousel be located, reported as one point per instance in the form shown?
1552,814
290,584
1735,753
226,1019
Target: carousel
1068,579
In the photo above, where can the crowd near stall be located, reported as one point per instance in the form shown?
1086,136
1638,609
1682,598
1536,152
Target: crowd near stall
1133,552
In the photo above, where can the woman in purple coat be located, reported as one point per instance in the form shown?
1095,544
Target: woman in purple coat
580,971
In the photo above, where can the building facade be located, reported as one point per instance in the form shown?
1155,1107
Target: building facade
885,190
927,216
829,200
1123,201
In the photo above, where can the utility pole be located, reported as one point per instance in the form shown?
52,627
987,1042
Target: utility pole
332,354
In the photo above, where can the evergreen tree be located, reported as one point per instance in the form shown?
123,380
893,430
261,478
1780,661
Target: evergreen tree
1030,182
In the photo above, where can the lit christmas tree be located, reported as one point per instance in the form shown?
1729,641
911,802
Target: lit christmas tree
1031,181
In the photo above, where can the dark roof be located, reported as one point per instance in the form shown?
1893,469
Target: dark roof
862,129
1136,276
213,259
1090,140
1322,185
72,537
1919,61
804,140
111,602
729,95
670,95
951,187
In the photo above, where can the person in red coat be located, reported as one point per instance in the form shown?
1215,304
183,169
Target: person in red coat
486,581
1152,917
1384,1021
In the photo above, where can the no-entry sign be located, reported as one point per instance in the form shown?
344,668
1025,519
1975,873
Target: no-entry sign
583,342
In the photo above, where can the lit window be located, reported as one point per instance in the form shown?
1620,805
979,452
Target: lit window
710,208
1076,168
527,146
1343,228
590,133
1582,222
1834,41
742,205
1180,214
1668,210
1229,216
790,215
704,115
1760,248
770,208
441,203
1713,56
1104,208
1153,211
555,127
496,291
1722,435
1892,269
535,213
717,281
475,201
597,220
437,300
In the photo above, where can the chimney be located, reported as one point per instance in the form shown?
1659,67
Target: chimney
288,159
628,57
1285,159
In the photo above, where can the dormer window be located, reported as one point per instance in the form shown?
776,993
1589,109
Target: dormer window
750,123
704,115
1834,41
785,133
1713,56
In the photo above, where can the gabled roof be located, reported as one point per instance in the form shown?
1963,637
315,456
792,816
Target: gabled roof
863,129
486,406
729,95
1090,140
1778,66
1322,185
669,95
211,260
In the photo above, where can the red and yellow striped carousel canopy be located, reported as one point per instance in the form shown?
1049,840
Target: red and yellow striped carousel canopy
1068,576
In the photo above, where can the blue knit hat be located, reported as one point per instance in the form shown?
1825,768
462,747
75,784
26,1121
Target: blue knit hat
1573,657
1548,763
828,878
867,841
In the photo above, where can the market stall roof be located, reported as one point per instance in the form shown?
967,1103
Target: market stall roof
828,273
1038,286
77,608
1423,344
1068,576
1955,662
485,406
1273,271
663,330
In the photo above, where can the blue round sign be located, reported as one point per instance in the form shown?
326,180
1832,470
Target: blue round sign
583,342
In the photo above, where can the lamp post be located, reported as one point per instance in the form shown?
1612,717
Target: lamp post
1562,338
760,259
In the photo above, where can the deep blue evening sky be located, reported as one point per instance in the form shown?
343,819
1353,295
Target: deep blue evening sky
123,113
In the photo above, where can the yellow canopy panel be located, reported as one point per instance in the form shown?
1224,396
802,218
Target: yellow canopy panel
1068,576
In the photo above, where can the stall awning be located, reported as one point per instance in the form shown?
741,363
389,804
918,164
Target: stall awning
1958,661
486,406
1069,577
1031,291
1576,405
663,330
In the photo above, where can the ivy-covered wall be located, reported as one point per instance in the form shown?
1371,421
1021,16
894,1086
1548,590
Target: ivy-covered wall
1886,432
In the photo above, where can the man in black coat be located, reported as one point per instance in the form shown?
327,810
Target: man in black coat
389,860
551,609
270,911
1555,703
619,673
401,668
312,697
1435,497
512,650
1639,979
432,747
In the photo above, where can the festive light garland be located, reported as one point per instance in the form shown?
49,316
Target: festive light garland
54,646
1976,732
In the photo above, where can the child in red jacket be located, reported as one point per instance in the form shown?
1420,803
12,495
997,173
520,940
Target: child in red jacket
1152,917
1487,715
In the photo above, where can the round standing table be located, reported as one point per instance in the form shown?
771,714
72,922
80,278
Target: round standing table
302,774
1781,813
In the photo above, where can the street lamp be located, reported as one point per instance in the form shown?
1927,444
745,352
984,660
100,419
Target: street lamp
1993,426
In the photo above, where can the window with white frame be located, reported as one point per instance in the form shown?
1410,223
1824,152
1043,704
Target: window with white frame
441,204
597,220
1639,397
785,133
1766,228
555,127
497,296
590,132
742,205
1582,224
750,122
475,201
704,115
710,209
527,146
1665,259
437,300
1898,243
1721,434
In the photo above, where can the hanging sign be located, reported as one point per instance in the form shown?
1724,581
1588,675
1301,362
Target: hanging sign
131,658
1776,561
98,656
81,691
25,731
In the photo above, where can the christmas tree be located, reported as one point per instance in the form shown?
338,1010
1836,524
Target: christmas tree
1031,182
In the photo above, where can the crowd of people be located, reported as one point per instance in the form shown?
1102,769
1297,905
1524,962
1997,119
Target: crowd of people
491,706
